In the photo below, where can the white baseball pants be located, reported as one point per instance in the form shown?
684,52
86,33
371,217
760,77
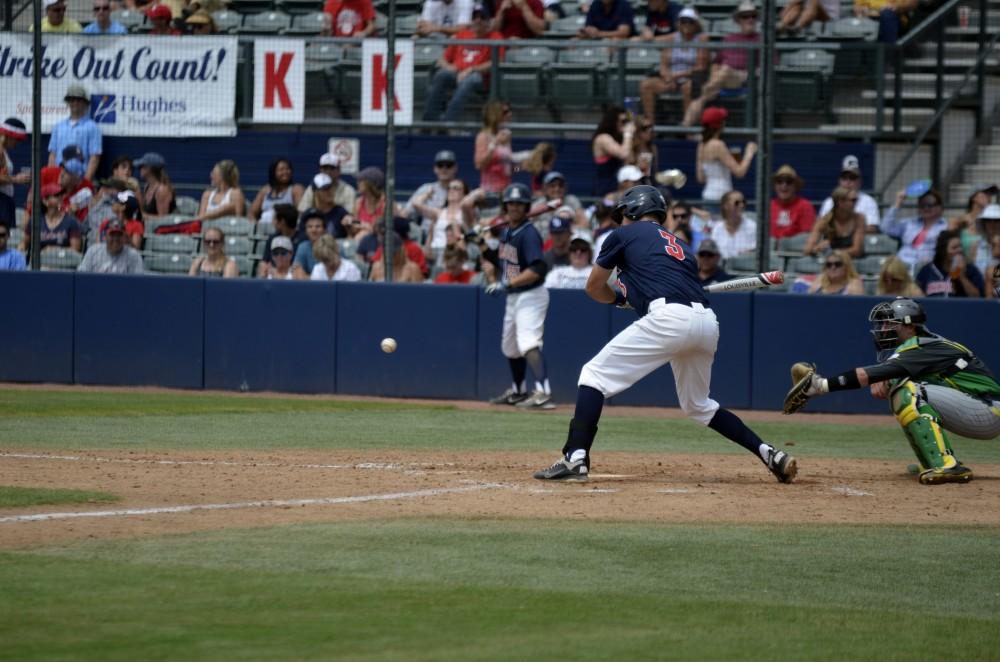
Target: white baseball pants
524,322
686,337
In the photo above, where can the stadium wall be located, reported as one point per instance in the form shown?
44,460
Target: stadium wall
304,337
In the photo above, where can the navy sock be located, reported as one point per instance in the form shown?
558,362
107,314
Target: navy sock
583,427
518,368
731,427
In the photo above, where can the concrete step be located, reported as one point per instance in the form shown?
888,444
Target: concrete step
950,63
866,115
861,127
981,172
989,154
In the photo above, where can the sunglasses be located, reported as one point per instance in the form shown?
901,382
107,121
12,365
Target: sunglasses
456,188
739,203
833,265
783,181
929,205
579,250
280,252
58,10
102,7
444,164
746,17
706,254
681,217
212,242
849,175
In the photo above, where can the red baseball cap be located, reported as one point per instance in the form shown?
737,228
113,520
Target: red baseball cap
159,11
51,189
714,116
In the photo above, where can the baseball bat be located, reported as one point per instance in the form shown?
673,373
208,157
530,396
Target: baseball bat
766,279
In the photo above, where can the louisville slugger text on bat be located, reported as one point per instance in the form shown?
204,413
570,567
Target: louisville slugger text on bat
766,279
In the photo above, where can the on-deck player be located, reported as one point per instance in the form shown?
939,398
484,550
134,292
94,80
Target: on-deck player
522,276
658,275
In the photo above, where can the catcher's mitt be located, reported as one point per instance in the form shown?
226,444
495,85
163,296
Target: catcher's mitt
802,377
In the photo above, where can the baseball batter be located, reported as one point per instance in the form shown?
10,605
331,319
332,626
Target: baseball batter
658,276
522,277
933,384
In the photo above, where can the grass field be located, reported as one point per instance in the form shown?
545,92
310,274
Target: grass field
444,588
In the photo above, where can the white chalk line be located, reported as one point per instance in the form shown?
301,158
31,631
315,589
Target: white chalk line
270,503
850,491
389,466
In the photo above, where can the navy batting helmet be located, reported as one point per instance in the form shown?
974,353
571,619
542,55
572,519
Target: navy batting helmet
888,315
639,201
515,193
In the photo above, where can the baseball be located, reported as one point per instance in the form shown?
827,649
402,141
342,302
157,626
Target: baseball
388,345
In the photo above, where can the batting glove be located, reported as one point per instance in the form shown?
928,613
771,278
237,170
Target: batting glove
496,289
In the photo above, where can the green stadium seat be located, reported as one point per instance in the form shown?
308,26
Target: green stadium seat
566,27
227,21
577,76
426,54
236,246
406,25
129,18
792,246
522,74
880,244
805,265
309,24
187,205
167,263
245,264
60,259
171,243
231,225
852,27
869,266
270,22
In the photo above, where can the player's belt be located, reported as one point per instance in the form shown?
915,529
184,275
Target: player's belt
662,301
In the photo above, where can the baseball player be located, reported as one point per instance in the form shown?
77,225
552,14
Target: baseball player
658,276
522,277
933,384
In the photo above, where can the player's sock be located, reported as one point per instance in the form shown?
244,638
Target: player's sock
731,427
537,362
518,369
583,427
543,387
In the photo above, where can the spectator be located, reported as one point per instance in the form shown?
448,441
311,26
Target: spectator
574,275
493,156
158,197
982,195
11,259
850,177
112,256
102,209
976,235
798,15
681,218
454,268
838,276
611,147
371,201
128,214
121,168
444,17
77,129
55,18
201,23
604,223
214,262
465,68
286,221
161,20
225,198
662,19
714,163
608,19
280,189
840,228
553,11
709,268
404,270
917,234
519,19
401,226
645,156
894,280
680,66
329,265
736,234
450,215
315,227
335,218
993,269
58,229
791,214
279,267
560,237
351,18
540,161
434,194
554,194
343,193
102,23
12,132
730,68
949,274
628,176
78,190
893,16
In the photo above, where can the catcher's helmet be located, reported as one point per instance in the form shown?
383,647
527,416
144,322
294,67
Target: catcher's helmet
888,315
515,193
639,201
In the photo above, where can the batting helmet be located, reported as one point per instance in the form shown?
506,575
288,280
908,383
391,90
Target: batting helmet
639,201
515,193
888,315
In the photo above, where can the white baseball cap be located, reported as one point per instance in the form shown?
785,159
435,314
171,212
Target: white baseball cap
851,164
991,213
330,159
322,180
629,173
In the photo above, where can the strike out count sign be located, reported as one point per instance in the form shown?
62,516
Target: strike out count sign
279,82
374,86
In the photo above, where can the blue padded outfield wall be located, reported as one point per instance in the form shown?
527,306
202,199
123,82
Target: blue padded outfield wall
305,337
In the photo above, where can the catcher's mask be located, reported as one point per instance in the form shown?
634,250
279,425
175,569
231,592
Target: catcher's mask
640,201
886,318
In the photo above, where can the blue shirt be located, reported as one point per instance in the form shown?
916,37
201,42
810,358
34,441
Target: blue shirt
114,28
84,133
520,249
621,14
652,264
663,22
304,256
12,260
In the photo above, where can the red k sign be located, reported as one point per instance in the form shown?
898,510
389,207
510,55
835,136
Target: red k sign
375,83
279,81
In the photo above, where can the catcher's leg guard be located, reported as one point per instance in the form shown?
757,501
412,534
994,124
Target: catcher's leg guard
920,424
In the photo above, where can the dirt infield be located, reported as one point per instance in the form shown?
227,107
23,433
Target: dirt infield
340,486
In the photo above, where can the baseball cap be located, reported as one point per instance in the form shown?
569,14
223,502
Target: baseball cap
159,11
478,8
553,176
13,128
851,164
322,180
312,212
51,189
74,167
745,7
788,171
559,224
689,12
49,3
151,159
714,116
374,175
76,92
991,213
445,156
629,173
115,226
200,17
709,246
329,159
986,188
281,242
71,152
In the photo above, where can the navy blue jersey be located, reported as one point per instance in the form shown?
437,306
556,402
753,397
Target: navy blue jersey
652,264
521,248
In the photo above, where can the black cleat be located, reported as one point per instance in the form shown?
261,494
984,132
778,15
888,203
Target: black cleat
782,465
510,397
566,470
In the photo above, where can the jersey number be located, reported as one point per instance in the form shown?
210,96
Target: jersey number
673,249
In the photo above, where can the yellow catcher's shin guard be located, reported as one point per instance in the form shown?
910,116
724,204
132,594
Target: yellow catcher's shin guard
920,424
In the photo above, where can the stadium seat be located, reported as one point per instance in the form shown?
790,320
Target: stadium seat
167,263
264,229
187,205
250,6
406,25
271,22
152,224
869,266
577,76
304,7
245,265
426,54
792,246
227,21
566,27
231,225
852,27
522,74
309,24
236,246
171,243
742,264
803,80
348,248
129,18
16,235
61,259
880,244
806,265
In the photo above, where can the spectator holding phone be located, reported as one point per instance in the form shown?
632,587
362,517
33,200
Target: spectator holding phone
949,274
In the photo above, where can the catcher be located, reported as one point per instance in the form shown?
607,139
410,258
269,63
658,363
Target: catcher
934,385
